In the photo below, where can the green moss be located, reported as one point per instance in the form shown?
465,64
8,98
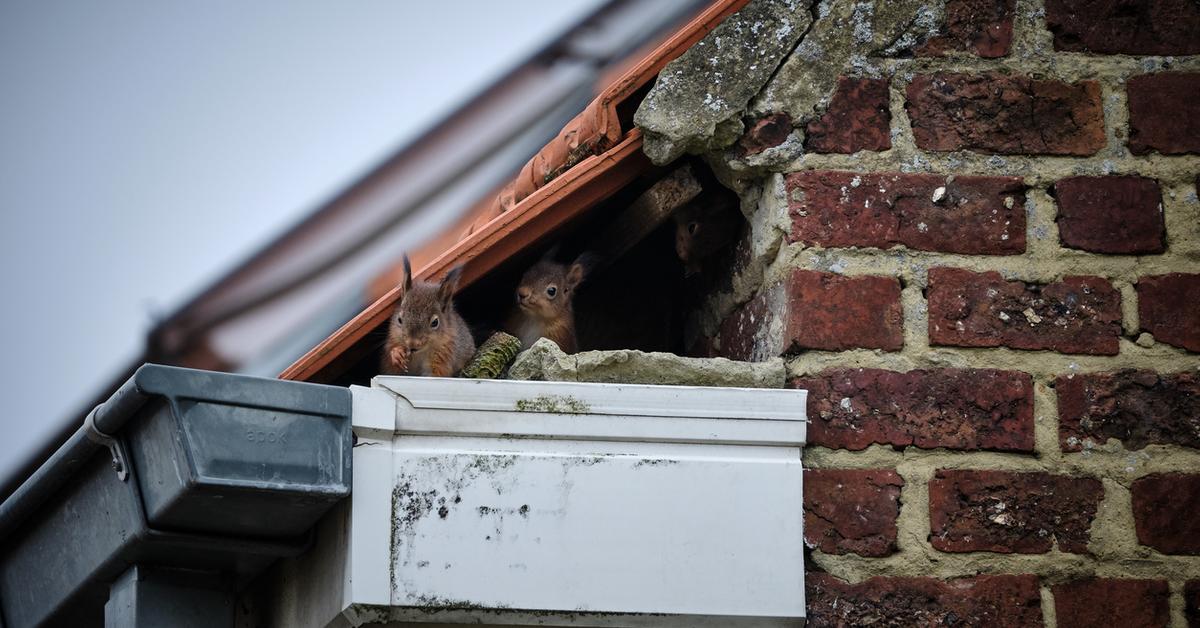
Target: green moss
553,404
493,357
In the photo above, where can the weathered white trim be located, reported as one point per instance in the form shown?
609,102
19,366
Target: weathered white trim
542,503
588,411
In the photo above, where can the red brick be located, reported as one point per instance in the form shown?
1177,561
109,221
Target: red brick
1164,113
766,132
835,312
1112,602
1169,308
859,118
851,511
967,409
972,215
984,27
1118,215
995,113
1145,27
1075,315
1011,601
1191,597
1138,408
816,310
745,333
1001,511
1164,512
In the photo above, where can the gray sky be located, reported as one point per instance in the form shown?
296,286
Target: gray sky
147,147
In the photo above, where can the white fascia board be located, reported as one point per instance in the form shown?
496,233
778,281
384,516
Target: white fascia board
591,411
546,503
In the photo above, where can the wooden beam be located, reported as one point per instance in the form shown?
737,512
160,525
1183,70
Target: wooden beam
647,212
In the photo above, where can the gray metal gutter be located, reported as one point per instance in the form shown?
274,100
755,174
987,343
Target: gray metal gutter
176,491
107,418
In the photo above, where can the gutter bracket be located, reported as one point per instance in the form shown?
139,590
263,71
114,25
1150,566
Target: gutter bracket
120,457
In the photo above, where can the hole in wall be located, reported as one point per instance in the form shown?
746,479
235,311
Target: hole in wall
639,298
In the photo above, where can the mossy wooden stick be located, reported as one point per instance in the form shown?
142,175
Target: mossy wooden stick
496,353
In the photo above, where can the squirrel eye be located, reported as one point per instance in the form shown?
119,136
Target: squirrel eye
434,322
693,227
551,291
398,320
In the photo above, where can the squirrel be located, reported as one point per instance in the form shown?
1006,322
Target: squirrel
544,301
702,229
426,335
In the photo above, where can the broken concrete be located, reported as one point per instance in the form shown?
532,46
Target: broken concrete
544,361
699,99
845,34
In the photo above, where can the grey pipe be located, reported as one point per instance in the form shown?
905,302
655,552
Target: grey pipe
109,417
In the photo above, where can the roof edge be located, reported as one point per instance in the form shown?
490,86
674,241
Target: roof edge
589,160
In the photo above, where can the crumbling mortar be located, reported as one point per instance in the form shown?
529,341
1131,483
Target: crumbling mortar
916,310
1129,305
912,524
1045,421
1042,238
1031,38
1181,212
1049,614
1036,267
1053,567
1036,170
1116,116
1110,71
1112,462
1044,366
1178,604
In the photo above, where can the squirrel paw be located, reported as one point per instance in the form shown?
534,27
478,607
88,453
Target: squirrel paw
399,359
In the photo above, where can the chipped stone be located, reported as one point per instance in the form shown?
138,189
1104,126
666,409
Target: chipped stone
544,361
700,97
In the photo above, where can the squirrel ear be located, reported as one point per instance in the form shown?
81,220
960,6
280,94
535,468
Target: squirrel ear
551,252
407,274
581,268
446,288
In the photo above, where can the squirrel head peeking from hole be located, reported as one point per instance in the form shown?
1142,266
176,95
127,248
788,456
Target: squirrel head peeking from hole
544,300
702,228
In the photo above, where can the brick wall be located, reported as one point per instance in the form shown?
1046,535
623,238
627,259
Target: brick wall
976,239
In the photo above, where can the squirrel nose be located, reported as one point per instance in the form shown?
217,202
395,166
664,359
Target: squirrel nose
523,294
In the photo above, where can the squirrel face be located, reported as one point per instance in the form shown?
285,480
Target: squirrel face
547,288
702,229
426,313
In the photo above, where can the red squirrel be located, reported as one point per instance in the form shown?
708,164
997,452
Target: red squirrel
703,227
426,335
544,301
